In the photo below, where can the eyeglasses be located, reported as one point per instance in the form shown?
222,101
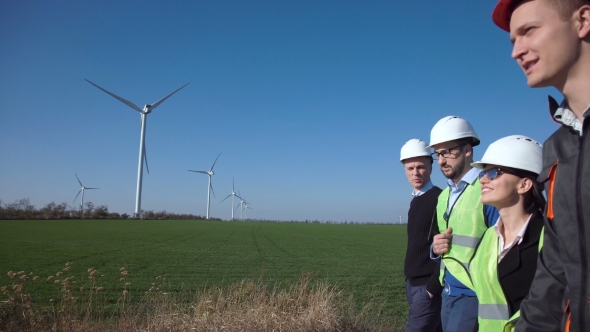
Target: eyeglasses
493,173
445,153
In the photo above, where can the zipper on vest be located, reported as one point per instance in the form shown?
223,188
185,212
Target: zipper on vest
581,228
463,266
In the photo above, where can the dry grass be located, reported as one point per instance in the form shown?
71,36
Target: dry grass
246,306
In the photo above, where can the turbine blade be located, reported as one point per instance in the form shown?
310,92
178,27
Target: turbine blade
226,197
232,185
199,172
154,105
237,206
215,162
145,156
81,185
125,101
211,186
77,196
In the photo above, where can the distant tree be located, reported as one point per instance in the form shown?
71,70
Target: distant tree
48,212
87,211
100,212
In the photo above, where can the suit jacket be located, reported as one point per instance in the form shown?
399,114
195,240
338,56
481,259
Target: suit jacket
517,269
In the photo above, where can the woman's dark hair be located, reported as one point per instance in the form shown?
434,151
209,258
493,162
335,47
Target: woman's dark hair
534,200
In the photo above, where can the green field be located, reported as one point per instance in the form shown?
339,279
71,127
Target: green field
364,260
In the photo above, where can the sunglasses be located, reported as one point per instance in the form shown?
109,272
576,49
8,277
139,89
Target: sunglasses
493,173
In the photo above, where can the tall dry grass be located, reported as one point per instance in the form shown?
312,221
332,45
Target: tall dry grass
250,305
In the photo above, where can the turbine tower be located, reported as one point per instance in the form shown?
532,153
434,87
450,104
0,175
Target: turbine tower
233,194
210,186
147,109
81,191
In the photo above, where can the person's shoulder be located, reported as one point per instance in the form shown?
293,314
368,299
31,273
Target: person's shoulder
436,190
432,192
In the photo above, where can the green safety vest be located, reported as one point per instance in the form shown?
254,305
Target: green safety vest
493,311
468,223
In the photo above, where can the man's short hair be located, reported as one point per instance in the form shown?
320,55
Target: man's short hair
465,141
565,8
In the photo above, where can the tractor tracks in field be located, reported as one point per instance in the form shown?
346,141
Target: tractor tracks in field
216,244
258,235
273,243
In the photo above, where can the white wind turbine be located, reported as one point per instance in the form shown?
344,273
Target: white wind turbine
81,191
233,194
147,109
210,186
241,206
246,207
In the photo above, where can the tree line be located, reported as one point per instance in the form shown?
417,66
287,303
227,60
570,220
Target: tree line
23,209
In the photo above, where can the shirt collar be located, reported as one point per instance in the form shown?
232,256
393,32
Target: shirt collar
519,237
423,190
468,178
565,116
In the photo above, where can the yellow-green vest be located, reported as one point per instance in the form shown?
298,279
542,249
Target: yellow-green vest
468,222
493,311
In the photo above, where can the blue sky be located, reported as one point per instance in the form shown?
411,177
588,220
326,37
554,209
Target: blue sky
308,102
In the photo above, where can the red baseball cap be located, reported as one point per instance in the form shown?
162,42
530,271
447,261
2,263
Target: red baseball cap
501,14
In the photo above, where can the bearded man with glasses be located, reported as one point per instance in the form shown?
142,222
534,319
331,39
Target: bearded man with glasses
464,218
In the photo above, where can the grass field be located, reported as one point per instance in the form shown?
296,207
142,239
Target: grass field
364,260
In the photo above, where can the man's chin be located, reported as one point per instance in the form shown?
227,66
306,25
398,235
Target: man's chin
533,82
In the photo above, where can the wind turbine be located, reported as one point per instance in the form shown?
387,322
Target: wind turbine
147,109
233,194
242,201
81,191
210,187
246,207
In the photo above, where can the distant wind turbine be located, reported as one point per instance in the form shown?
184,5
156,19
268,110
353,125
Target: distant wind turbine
210,186
233,194
81,191
246,207
241,206
147,109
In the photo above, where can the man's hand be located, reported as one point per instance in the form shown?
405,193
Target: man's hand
442,242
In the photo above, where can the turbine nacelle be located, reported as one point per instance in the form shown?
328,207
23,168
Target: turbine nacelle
147,109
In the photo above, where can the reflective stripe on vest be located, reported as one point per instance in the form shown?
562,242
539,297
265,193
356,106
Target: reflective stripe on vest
493,311
468,223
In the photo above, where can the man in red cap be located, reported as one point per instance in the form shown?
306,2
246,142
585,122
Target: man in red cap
551,41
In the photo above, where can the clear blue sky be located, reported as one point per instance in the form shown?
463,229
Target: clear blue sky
309,102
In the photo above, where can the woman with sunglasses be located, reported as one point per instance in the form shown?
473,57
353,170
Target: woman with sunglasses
504,265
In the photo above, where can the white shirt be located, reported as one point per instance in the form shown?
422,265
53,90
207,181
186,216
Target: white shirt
504,248
423,190
566,116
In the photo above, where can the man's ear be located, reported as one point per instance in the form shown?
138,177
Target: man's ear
582,19
468,150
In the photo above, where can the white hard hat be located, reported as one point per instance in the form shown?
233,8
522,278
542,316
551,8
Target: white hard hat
514,151
452,128
414,148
